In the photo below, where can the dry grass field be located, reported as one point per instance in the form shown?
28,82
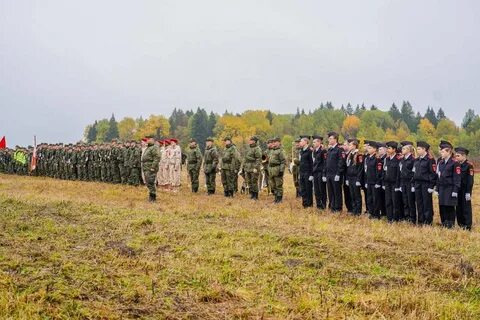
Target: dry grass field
75,250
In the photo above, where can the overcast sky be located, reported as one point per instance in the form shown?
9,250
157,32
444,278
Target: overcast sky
64,64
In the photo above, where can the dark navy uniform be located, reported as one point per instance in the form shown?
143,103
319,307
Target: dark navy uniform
370,168
448,185
406,176
334,169
391,182
319,187
379,202
464,207
424,178
354,176
306,171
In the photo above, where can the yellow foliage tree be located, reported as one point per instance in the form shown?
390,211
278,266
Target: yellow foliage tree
350,126
154,125
126,129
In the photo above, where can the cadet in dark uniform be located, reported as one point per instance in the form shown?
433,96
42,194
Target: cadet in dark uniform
391,182
334,169
379,189
306,172
354,176
406,176
464,207
371,178
319,159
345,187
424,179
448,184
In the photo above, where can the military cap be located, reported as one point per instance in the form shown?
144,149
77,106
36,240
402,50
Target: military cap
367,142
209,139
305,137
254,138
462,150
445,144
423,144
297,140
227,138
166,141
317,137
373,144
406,143
332,134
174,140
276,139
392,144
381,145
269,140
193,140
352,140
150,136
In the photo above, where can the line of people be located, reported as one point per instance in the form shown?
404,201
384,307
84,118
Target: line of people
398,180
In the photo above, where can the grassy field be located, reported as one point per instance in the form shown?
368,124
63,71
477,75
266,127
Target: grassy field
73,250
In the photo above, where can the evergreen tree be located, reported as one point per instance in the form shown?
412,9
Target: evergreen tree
112,132
441,114
212,122
430,115
408,116
198,126
357,110
92,133
373,107
269,116
363,108
395,113
297,115
467,119
349,109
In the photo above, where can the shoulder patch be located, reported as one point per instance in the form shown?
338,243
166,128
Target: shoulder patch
458,170
360,158
343,155
434,167
379,166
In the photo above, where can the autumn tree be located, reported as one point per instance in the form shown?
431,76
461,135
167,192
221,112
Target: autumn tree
350,126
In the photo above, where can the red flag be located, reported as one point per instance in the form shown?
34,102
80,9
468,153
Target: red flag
33,164
3,143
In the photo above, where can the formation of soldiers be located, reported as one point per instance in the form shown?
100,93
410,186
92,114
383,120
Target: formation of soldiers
397,180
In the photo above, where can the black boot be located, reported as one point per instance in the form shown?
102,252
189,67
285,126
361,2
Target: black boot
278,199
252,195
230,194
255,196
152,197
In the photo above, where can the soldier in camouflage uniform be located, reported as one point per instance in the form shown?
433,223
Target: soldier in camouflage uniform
276,169
228,168
194,163
150,161
252,164
210,165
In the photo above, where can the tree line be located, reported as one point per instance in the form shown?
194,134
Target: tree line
398,123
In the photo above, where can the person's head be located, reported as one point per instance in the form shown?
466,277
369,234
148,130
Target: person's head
372,148
445,149
317,141
392,148
209,142
227,141
304,142
332,138
461,154
192,143
297,143
173,142
422,148
253,140
276,142
352,144
382,149
407,149
150,141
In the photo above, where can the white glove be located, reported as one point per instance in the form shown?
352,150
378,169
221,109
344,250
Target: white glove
430,190
377,186
435,193
468,197
366,185
454,195
413,189
337,178
358,184
347,183
398,189
383,187
255,171
324,179
310,178
239,173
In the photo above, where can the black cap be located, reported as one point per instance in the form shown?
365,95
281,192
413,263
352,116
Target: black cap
373,144
297,140
392,144
406,143
209,139
317,137
352,140
305,137
381,145
254,138
445,144
193,140
332,133
150,136
423,144
462,150
227,138
368,142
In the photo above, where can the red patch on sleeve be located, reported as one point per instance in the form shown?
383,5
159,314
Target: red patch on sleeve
343,155
471,171
379,166
434,167
458,170
360,158
325,155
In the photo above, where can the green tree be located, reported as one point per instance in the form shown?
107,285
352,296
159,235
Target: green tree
91,135
112,132
126,128
430,115
394,112
102,128
198,127
469,117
